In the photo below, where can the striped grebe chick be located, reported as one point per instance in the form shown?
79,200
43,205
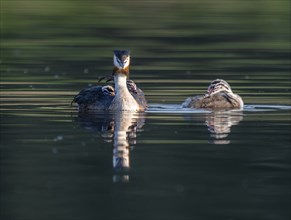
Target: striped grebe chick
124,95
218,96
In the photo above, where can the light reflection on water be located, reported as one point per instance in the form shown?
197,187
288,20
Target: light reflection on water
145,162
184,163
121,128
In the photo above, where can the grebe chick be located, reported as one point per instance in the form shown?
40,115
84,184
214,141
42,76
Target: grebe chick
218,96
125,96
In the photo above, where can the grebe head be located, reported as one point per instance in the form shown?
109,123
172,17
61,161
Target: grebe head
131,86
218,85
121,61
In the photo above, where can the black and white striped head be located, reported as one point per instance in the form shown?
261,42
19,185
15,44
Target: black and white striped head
121,59
131,86
218,85
108,90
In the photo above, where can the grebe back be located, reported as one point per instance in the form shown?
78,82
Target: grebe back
218,96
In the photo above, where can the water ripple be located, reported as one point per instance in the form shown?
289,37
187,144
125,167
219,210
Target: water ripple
174,108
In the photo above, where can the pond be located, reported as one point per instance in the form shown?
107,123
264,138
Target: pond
166,163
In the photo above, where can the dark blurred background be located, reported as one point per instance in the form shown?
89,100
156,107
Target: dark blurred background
177,46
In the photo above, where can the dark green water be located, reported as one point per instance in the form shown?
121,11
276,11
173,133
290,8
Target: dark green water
173,163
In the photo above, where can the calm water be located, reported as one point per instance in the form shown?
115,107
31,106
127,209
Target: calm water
166,163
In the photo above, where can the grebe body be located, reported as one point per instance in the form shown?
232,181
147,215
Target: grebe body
219,96
123,96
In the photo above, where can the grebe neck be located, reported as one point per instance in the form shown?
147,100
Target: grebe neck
123,100
120,83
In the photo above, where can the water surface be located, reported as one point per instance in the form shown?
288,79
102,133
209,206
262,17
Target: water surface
166,163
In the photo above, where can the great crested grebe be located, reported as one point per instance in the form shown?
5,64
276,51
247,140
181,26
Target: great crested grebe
125,96
219,96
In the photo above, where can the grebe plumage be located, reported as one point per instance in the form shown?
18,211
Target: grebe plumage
218,96
124,96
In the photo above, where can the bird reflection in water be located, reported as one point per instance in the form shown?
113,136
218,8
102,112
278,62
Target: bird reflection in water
219,124
122,128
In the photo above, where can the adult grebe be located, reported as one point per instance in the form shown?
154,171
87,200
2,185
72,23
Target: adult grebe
125,96
219,96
